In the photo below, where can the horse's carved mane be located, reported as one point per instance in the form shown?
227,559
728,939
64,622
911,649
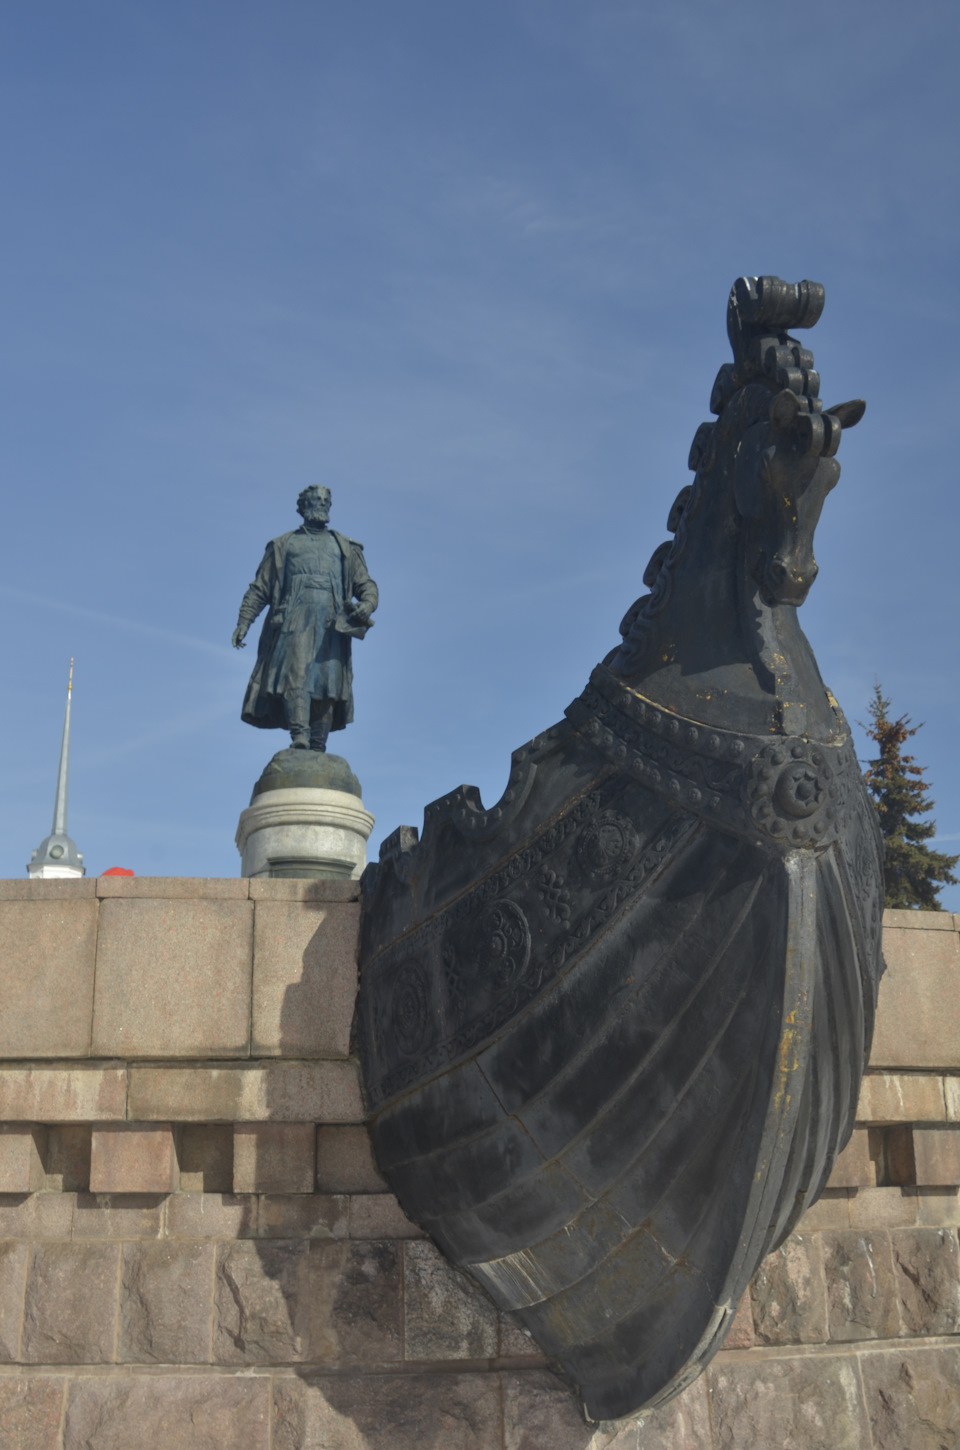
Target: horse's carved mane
717,638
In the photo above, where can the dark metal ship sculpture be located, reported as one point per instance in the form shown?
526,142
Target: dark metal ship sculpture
612,1030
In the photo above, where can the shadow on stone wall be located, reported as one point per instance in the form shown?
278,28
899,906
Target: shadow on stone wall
304,1294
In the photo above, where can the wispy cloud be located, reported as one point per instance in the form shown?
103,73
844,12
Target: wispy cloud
189,722
116,621
185,724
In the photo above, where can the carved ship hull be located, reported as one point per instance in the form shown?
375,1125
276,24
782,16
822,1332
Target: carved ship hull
613,1029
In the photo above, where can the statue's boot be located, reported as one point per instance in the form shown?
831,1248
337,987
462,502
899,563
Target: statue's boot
298,716
320,725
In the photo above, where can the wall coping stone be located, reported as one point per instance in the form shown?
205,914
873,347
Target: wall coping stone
217,888
903,919
15,889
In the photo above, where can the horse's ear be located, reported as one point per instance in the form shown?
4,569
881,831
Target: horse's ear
784,409
848,415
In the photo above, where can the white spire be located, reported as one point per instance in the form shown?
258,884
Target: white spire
57,855
60,805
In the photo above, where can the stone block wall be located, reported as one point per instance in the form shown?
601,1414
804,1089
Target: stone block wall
197,1252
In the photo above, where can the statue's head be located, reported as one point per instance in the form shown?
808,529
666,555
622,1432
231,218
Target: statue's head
313,504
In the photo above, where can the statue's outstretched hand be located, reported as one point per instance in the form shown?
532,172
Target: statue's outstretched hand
238,637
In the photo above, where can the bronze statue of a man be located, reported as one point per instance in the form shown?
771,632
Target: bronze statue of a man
315,586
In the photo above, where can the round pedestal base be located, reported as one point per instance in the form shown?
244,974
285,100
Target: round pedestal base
306,832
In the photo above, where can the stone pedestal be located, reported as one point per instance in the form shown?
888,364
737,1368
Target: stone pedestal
306,819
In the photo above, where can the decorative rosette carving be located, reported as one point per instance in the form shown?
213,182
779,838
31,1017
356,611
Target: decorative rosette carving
791,792
491,946
410,1021
503,942
607,845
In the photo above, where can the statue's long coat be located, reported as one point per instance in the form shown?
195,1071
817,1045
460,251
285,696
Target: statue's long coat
261,707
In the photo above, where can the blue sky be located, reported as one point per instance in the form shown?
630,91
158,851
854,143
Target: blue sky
467,264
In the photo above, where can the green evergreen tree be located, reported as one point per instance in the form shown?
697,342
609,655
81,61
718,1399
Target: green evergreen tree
913,873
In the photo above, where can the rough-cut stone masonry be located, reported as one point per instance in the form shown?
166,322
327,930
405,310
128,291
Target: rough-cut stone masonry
197,1252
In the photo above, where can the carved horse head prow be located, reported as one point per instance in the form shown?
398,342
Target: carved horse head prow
783,470
719,625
